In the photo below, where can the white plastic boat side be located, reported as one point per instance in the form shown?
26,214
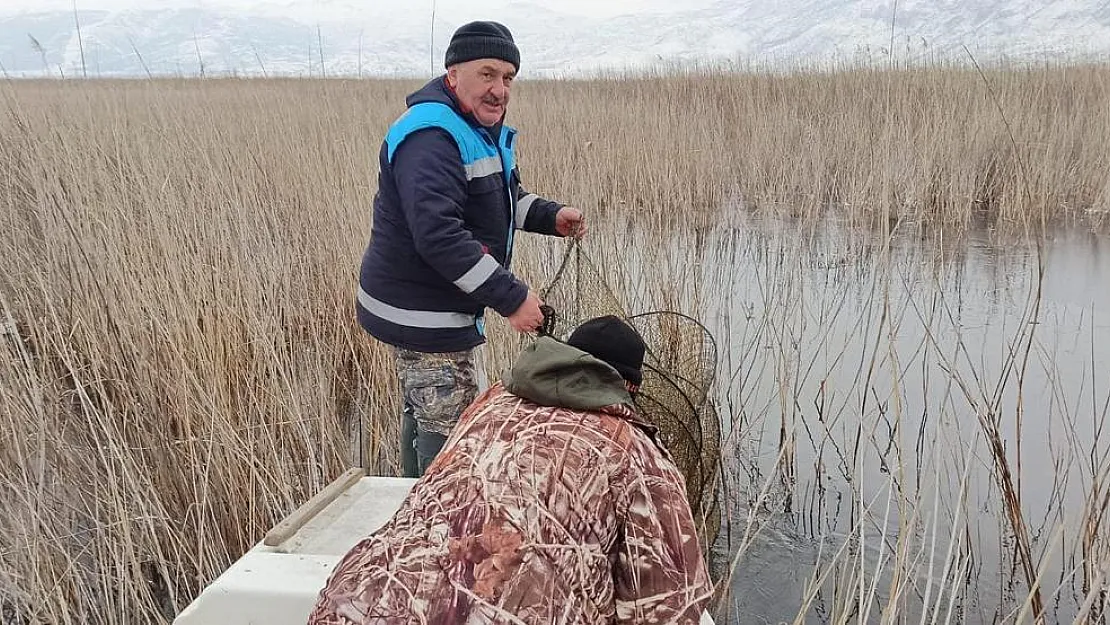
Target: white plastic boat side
278,585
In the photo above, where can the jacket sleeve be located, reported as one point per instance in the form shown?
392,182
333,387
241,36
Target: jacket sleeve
660,575
431,183
534,213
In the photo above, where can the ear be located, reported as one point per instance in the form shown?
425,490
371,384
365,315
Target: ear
453,76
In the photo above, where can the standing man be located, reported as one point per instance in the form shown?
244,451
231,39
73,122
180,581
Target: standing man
448,204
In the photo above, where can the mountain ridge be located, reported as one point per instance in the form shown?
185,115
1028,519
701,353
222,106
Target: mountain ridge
341,38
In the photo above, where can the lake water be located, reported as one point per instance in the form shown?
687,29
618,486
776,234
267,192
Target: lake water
860,377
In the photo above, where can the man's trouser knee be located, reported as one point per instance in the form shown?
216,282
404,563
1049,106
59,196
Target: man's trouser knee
436,388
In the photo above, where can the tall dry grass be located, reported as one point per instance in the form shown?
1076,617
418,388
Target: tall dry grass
939,146
180,258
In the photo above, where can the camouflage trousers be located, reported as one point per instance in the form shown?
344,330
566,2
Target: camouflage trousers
436,389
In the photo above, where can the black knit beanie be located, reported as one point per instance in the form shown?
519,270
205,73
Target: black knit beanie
614,341
482,40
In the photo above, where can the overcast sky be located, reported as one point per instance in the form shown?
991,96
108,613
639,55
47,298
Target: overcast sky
596,8
555,35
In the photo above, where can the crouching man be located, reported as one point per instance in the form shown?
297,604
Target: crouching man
551,502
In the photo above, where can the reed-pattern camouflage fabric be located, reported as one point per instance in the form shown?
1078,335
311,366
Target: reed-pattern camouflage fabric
532,514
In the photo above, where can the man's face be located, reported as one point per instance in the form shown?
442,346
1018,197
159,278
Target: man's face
482,87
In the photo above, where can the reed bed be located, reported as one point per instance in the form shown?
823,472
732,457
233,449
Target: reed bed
179,362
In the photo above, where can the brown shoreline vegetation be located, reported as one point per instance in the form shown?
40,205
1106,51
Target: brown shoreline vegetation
179,363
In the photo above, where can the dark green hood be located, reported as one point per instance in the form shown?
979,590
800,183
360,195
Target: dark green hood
551,373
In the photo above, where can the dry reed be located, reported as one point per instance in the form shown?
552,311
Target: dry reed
183,368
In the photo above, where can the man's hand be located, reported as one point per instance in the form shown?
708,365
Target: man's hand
528,317
570,222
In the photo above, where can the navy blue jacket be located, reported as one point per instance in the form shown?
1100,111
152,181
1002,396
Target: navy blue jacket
449,200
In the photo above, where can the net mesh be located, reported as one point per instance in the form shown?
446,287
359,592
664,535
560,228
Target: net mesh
679,371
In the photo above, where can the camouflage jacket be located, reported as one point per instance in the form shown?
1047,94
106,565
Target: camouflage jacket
534,513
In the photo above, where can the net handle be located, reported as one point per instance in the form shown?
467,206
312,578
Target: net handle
547,328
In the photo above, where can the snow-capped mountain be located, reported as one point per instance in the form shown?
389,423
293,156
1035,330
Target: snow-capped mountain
348,37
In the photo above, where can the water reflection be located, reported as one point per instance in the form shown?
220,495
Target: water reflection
856,374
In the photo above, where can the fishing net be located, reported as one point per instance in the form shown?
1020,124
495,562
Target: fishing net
679,371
